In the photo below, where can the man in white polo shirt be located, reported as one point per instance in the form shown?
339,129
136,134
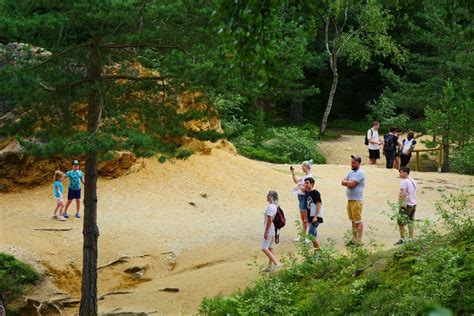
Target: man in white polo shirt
374,142
407,198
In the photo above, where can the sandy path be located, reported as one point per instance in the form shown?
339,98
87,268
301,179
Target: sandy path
204,249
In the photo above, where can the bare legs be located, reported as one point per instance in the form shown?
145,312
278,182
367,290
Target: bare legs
271,256
401,227
357,231
60,208
78,205
304,220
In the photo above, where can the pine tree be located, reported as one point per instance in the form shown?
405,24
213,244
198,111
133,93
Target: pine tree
91,95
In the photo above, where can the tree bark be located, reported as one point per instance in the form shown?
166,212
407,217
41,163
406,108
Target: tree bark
445,154
296,114
331,94
90,229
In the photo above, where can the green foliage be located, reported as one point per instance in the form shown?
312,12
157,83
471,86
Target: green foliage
430,274
350,126
50,92
438,35
463,159
280,145
15,275
383,110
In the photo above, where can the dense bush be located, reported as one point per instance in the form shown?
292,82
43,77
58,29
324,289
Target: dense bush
463,159
280,145
14,275
432,271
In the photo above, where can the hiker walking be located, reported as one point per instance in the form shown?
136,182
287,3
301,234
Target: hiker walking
408,144
314,208
269,232
373,142
74,192
355,183
299,190
407,200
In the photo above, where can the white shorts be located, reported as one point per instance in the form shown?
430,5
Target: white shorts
59,200
268,243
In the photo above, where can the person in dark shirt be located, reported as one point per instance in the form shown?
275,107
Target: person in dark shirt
314,208
389,146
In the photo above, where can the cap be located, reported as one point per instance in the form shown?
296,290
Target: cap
75,163
356,158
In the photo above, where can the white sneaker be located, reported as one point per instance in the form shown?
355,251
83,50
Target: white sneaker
54,216
276,267
61,218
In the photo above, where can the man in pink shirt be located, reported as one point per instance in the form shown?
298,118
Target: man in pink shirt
407,198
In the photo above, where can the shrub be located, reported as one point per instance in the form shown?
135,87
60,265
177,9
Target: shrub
280,145
14,275
383,110
463,159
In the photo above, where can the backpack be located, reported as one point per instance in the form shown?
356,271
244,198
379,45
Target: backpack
279,222
366,140
388,144
406,147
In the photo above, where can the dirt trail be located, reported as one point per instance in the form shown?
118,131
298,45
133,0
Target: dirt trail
194,225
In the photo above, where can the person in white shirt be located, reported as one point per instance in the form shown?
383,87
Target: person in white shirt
300,191
269,232
374,142
407,199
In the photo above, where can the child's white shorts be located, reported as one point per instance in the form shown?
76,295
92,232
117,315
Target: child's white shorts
59,200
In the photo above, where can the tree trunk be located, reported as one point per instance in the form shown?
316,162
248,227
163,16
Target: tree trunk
331,95
445,154
296,114
90,229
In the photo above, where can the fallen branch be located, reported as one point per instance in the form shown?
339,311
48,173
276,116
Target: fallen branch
170,289
113,293
54,229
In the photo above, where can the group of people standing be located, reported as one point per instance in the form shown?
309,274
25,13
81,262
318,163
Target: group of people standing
311,209
396,152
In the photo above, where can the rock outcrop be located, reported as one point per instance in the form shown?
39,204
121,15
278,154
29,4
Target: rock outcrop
18,170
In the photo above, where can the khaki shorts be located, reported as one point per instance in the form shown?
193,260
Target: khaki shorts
354,211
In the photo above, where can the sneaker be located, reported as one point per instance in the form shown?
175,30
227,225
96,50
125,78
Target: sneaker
400,242
297,239
276,267
77,215
54,216
61,218
267,269
66,215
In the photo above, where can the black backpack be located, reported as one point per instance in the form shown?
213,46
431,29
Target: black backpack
388,144
366,141
279,222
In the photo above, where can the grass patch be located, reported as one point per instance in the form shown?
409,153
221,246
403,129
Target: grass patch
15,276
